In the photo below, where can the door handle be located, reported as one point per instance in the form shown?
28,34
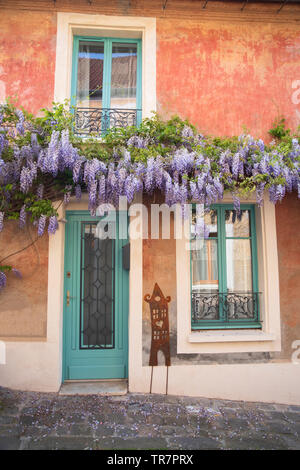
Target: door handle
68,298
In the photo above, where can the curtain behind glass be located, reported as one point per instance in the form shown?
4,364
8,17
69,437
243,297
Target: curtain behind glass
123,76
90,74
205,266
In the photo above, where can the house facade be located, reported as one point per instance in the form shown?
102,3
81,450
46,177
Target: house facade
221,320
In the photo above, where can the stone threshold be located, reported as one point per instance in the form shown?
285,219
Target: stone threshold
110,387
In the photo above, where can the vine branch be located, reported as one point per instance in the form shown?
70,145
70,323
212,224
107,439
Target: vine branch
27,246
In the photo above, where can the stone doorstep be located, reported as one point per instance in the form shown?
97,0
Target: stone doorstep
95,387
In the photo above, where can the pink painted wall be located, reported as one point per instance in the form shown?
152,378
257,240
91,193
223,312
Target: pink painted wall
288,242
223,76
27,57
220,75
23,304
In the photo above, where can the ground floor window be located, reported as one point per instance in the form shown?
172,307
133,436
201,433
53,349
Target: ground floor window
224,279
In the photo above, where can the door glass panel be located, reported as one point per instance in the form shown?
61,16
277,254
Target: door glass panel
123,75
90,74
239,265
97,290
237,225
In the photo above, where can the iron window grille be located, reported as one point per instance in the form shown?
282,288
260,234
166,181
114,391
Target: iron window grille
234,309
99,120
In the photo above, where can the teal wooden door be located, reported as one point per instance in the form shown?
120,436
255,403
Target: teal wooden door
95,299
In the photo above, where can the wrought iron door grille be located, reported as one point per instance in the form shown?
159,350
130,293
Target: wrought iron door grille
97,311
100,120
230,307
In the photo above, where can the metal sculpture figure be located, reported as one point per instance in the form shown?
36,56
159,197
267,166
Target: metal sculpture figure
160,340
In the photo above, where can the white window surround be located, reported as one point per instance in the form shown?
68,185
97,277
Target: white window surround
246,340
70,24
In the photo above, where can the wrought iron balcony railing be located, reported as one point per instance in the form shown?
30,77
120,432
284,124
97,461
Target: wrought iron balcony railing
230,307
99,120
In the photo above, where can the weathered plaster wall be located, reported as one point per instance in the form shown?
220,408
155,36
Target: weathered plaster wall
159,9
159,265
23,304
223,76
27,57
233,73
288,240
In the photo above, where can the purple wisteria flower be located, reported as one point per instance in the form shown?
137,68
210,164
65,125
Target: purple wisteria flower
22,217
92,169
149,179
17,273
183,161
68,154
187,132
260,193
3,280
93,193
40,191
194,193
138,141
1,220
102,189
28,175
53,224
263,166
41,225
67,195
20,123
195,169
130,188
3,141
49,158
78,191
236,165
201,229
77,169
236,203
219,187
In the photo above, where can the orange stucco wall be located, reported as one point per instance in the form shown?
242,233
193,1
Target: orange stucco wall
23,304
220,75
159,265
224,76
27,57
288,241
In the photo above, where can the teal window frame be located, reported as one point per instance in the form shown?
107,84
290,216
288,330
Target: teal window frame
221,323
108,42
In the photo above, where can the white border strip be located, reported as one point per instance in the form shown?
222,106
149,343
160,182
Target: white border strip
229,341
69,24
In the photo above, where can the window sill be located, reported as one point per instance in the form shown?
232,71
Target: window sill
227,326
229,336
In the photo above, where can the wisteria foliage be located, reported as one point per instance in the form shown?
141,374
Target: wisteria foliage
170,157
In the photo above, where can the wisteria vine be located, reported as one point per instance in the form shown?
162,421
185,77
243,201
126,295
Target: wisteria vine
171,157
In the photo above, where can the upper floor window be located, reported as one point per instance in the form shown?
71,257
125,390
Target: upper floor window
224,270
106,83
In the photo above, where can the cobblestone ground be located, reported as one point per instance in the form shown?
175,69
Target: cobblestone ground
50,421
